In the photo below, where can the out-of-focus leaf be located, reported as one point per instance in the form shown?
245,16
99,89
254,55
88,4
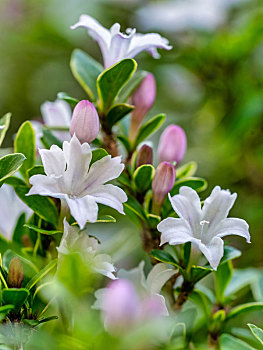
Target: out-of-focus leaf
117,112
15,296
4,125
244,308
65,97
126,143
186,170
132,84
42,273
48,139
149,128
222,278
227,342
133,205
257,332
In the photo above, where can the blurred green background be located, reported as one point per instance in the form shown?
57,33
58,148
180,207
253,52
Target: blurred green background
211,83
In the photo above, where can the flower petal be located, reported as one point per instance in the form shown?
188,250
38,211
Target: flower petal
45,186
213,251
103,264
233,226
53,161
157,277
111,196
83,209
153,306
174,231
187,205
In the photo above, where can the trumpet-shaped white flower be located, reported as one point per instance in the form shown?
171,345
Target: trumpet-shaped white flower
115,46
69,176
204,227
88,248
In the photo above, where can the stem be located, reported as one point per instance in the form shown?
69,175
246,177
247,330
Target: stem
186,290
64,211
109,139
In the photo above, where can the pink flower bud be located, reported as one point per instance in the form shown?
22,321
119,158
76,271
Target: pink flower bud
172,144
145,156
121,306
162,183
85,122
143,99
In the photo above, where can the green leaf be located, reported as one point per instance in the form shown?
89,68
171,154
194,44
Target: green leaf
86,71
125,142
153,220
42,273
19,228
48,139
15,296
36,170
10,164
227,342
132,85
133,205
65,97
110,82
222,276
257,332
42,231
25,144
196,183
149,128
5,309
106,218
117,112
4,125
143,177
187,253
98,154
41,205
186,170
230,253
29,268
199,272
165,257
244,308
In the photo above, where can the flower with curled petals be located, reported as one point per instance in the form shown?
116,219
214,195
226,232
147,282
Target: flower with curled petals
70,177
116,46
205,226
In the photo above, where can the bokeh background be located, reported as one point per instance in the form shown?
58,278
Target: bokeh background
211,83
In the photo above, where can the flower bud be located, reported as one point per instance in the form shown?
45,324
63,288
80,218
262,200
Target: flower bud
172,144
143,99
121,306
15,273
162,183
85,122
145,156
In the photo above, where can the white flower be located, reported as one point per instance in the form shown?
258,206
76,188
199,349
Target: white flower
115,46
88,247
54,114
203,227
69,176
11,208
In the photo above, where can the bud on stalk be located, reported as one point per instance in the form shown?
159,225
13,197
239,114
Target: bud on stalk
143,99
15,273
162,183
145,156
172,144
85,122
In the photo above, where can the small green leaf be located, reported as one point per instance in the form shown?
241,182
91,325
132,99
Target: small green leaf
4,125
86,71
65,97
230,253
36,170
227,342
196,183
135,207
143,177
125,142
10,164
25,144
222,278
199,272
257,332
131,85
98,154
117,112
106,218
186,170
165,257
42,231
42,273
5,309
48,139
149,128
14,296
110,82
244,308
153,220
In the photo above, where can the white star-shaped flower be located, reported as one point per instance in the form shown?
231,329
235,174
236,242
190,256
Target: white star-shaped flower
69,176
115,46
205,226
88,248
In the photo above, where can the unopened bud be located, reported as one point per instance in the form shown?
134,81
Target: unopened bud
85,122
162,183
15,273
145,156
143,99
172,144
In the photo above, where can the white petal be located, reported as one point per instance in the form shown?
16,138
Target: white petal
53,161
148,42
136,276
45,186
78,157
216,208
119,46
174,231
233,226
111,196
153,307
103,264
104,170
188,206
213,251
157,277
96,31
83,209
